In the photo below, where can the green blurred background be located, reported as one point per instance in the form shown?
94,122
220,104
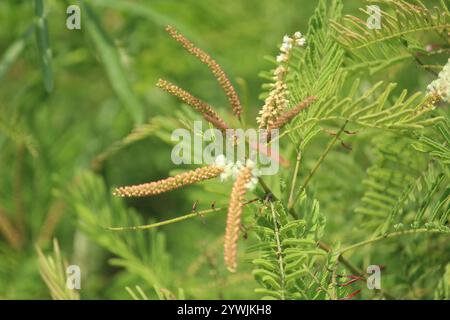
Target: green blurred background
103,74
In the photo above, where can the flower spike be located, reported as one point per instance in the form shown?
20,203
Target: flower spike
213,66
234,217
277,101
202,107
165,185
290,114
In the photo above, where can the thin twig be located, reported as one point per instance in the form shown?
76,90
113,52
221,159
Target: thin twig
388,236
177,219
294,180
165,222
320,160
353,269
279,251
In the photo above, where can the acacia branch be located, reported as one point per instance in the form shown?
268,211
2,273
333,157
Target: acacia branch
319,161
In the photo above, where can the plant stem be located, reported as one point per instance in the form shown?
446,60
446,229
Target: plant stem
273,197
359,272
264,186
294,180
344,261
165,222
177,219
388,236
353,269
279,252
319,161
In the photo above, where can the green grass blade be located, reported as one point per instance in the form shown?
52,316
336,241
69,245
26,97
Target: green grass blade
112,64
13,52
43,43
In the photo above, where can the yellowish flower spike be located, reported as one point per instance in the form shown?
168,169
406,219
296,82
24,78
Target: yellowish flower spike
202,107
165,185
234,217
213,66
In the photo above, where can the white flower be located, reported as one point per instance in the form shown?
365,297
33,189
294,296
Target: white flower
220,161
281,58
251,185
250,164
227,166
255,174
287,39
285,47
297,35
279,70
441,86
236,168
300,42
232,170
226,174
288,44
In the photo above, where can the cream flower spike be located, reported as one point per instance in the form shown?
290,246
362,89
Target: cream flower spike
441,86
277,100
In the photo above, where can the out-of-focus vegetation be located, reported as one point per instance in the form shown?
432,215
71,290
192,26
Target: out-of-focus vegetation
65,124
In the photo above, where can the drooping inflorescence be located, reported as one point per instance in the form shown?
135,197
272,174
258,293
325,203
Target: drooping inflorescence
234,217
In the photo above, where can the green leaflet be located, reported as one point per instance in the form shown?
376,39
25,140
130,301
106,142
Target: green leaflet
140,253
290,254
396,41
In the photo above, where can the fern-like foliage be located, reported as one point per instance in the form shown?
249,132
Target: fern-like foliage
53,271
16,131
376,107
162,293
290,265
321,70
396,166
436,143
406,187
142,254
423,204
397,38
443,289
403,190
316,71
